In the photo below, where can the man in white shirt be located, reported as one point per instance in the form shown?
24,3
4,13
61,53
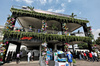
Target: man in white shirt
29,55
96,57
93,56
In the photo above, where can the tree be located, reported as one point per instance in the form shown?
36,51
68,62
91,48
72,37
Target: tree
54,27
99,34
72,15
98,41
30,7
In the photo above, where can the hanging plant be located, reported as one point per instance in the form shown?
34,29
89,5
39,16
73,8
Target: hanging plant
90,32
10,23
44,25
43,37
2,50
38,36
54,27
46,16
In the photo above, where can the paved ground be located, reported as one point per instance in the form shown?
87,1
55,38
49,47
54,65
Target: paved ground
36,63
86,63
23,63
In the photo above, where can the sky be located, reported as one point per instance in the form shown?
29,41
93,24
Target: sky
86,9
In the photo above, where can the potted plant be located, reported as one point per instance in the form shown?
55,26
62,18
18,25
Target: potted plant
54,27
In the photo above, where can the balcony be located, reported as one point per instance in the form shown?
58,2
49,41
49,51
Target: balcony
51,32
43,36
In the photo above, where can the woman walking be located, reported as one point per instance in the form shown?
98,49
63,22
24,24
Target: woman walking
29,56
90,56
17,58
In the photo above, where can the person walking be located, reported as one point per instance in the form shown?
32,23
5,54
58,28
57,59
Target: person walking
69,57
87,55
90,56
80,56
96,56
84,55
20,55
17,58
93,57
29,56
33,56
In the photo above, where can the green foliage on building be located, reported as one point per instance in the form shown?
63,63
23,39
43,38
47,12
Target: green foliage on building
83,46
98,41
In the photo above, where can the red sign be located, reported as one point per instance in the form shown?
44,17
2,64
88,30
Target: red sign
28,38
62,65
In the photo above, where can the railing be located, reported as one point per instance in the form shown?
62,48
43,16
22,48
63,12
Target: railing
47,31
55,32
47,12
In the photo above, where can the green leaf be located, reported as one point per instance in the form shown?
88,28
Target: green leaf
46,16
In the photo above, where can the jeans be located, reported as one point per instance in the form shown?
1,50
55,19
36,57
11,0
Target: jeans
28,59
70,64
93,58
96,58
80,57
17,60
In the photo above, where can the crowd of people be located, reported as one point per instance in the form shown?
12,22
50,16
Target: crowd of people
90,56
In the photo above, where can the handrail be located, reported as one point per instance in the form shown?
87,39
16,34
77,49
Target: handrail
54,32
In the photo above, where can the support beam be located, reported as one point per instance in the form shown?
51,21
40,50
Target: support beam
73,48
89,46
18,47
86,34
55,46
5,52
63,46
85,29
62,28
